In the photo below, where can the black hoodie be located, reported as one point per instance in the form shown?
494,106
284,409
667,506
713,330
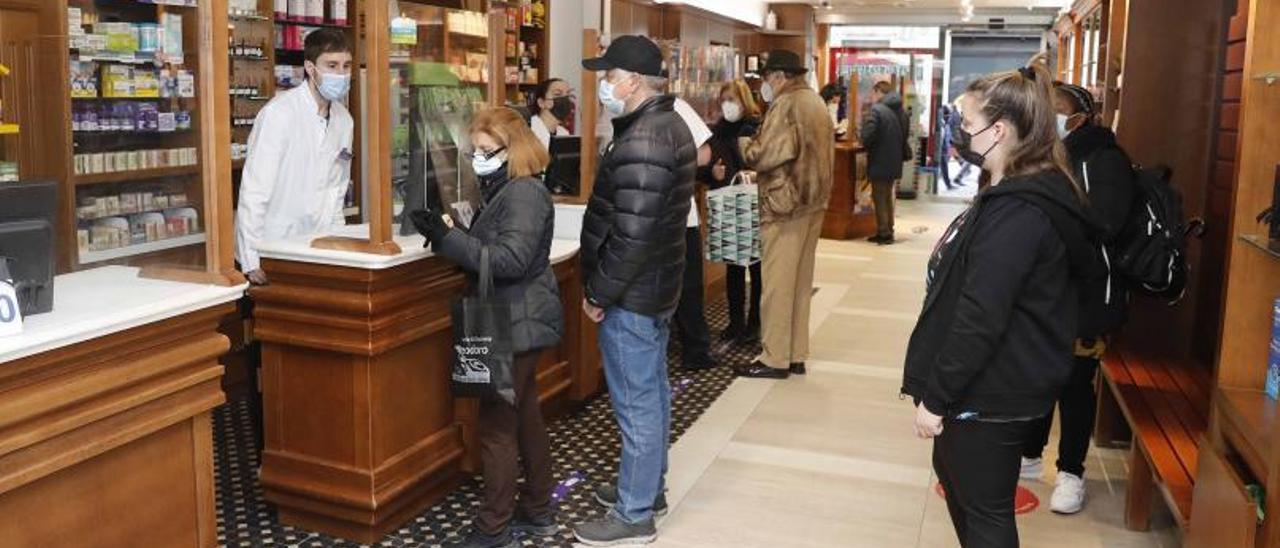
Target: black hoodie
997,331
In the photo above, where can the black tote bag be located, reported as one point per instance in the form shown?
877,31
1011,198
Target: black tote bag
483,361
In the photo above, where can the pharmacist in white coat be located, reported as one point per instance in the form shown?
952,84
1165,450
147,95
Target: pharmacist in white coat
690,318
299,164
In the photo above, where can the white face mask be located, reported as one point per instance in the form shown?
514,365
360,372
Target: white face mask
485,165
766,92
333,87
1062,126
614,105
732,111
834,111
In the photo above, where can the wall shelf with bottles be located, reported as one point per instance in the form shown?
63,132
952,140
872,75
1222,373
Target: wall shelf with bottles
526,48
134,133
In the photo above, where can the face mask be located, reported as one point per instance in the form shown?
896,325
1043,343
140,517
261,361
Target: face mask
333,87
766,92
1062,126
732,111
562,108
964,142
613,105
487,164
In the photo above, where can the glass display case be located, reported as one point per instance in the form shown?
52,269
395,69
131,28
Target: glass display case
440,74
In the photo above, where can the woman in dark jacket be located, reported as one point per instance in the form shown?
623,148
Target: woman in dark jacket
1105,172
993,344
739,117
515,225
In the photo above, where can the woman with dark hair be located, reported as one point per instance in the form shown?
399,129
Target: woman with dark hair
552,108
515,228
992,347
739,117
1106,173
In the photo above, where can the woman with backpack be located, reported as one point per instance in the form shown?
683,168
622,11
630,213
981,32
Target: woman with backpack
739,117
1105,172
992,347
515,228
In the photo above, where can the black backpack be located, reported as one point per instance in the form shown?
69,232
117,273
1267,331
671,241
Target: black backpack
1151,251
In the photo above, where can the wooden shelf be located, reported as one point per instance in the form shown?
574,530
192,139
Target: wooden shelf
135,175
781,32
90,257
132,98
1255,417
307,24
1260,243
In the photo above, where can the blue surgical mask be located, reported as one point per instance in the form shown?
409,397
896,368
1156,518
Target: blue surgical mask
488,163
614,105
333,87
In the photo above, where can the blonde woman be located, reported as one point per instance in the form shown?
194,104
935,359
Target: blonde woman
739,117
516,226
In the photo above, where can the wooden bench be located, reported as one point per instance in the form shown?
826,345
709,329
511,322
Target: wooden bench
1166,405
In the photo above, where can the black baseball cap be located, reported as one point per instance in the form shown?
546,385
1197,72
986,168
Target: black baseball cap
630,53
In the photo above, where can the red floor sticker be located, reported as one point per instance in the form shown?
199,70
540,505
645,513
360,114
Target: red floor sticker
1024,501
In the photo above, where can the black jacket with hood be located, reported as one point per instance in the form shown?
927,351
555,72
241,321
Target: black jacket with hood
998,326
1105,172
884,133
516,224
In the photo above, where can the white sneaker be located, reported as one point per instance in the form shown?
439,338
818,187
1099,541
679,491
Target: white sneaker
1032,469
1068,496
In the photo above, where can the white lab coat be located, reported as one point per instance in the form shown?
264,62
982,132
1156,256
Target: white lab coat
542,132
296,175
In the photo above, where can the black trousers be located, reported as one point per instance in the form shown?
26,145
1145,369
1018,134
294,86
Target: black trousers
740,317
690,318
977,464
1078,406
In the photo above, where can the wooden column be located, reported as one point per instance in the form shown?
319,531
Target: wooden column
108,442
376,47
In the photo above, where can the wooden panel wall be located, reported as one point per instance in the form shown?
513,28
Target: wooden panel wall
1220,192
1167,106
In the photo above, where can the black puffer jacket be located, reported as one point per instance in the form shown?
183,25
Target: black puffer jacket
633,231
516,223
884,134
999,321
1105,172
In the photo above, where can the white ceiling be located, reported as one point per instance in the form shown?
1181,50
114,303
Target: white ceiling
938,12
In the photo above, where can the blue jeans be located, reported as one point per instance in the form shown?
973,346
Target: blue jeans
634,349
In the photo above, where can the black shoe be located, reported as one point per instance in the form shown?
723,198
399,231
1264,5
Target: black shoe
480,540
759,370
732,333
607,496
545,526
612,531
887,240
797,368
701,364
750,336
876,239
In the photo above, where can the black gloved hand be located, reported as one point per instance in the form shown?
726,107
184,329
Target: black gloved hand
430,223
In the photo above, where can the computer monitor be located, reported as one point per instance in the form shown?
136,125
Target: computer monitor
563,174
28,210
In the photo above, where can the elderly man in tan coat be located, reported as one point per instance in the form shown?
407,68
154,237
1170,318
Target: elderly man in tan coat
792,155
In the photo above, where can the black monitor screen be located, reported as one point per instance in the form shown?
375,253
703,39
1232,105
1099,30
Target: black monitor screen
566,165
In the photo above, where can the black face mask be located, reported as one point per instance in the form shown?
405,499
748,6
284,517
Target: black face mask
963,141
562,108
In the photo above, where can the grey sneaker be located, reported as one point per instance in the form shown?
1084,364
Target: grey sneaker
612,531
607,496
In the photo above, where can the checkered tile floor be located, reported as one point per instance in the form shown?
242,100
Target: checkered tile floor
585,444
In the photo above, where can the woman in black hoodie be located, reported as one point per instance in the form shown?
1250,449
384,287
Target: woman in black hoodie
739,117
1105,172
992,347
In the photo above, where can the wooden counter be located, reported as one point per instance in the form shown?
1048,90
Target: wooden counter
850,212
105,433
362,433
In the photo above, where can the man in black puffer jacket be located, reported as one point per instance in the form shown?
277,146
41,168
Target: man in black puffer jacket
633,250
